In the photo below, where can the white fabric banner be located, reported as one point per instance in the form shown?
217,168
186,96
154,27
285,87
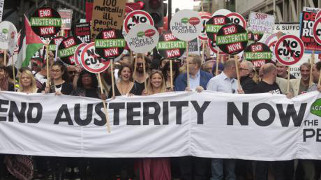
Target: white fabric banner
207,124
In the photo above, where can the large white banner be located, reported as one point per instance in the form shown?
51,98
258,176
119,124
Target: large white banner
207,124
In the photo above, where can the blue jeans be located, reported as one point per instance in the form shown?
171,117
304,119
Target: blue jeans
219,166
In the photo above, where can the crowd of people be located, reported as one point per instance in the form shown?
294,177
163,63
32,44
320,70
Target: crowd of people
130,78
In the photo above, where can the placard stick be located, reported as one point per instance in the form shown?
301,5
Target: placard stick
312,63
144,66
236,59
47,64
288,83
202,5
104,103
203,50
5,57
217,61
112,77
319,79
13,73
135,66
187,66
171,69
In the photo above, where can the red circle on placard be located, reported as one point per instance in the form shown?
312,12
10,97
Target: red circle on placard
87,67
295,59
78,61
315,25
238,16
318,15
131,14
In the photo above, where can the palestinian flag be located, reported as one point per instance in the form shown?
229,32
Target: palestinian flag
29,44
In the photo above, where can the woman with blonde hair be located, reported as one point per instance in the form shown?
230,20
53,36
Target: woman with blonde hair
154,168
27,82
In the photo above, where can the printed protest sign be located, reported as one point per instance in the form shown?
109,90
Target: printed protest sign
186,25
82,31
137,17
78,51
204,19
223,12
54,42
213,25
67,49
317,30
91,61
142,38
170,47
237,18
8,36
66,17
107,14
289,50
46,22
232,38
109,44
307,19
258,53
194,46
261,23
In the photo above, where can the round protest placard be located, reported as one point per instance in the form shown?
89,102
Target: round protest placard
258,53
212,26
8,36
317,30
289,50
78,51
54,42
318,15
142,38
232,38
237,18
67,48
204,19
170,47
223,12
45,22
110,43
254,37
186,25
137,17
91,61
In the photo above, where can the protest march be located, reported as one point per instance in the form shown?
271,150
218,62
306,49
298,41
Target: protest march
127,95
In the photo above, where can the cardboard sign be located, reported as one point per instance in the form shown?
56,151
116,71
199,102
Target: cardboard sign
55,42
213,26
289,50
258,53
66,17
67,49
46,22
142,38
186,25
109,44
137,17
237,18
232,38
82,31
8,36
78,51
261,23
107,14
317,30
306,32
204,19
170,47
91,61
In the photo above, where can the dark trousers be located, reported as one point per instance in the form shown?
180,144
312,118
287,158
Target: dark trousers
194,168
282,170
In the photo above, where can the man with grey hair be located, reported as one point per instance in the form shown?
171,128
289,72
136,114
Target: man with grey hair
301,85
246,72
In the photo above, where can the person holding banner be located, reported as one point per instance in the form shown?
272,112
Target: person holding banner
282,71
60,80
27,82
301,85
139,76
198,78
167,74
224,82
125,85
155,168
